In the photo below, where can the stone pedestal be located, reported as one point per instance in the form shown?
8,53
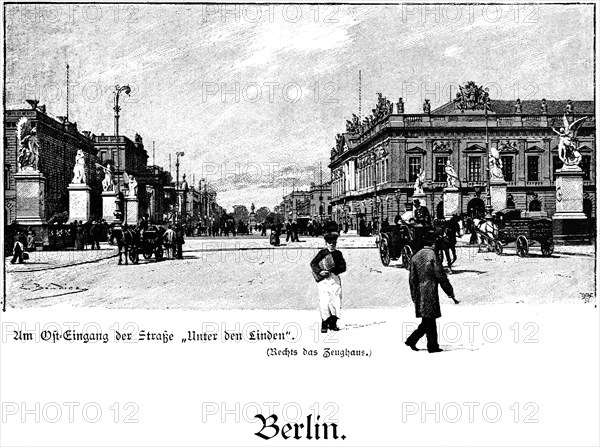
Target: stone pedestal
252,221
109,206
132,210
569,222
498,195
451,202
79,202
30,189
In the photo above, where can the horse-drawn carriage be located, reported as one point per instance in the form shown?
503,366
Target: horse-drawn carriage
523,231
401,241
135,242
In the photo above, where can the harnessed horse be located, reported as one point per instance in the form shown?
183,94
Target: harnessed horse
125,239
487,231
447,232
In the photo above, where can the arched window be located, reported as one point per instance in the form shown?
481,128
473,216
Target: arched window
535,205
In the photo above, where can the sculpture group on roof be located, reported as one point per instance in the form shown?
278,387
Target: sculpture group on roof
382,110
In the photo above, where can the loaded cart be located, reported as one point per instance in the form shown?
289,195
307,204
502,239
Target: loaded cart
524,231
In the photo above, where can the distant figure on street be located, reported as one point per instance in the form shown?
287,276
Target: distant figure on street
169,241
80,240
426,273
95,231
18,248
326,267
275,233
179,241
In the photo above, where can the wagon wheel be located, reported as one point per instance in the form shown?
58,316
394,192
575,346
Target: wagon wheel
498,247
548,249
406,256
134,255
384,252
522,246
159,253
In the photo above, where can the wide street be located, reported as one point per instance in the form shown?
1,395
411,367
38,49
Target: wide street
248,273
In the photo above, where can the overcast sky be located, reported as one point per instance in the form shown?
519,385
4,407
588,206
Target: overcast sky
255,95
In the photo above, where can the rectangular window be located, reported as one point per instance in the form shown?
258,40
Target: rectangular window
533,168
474,169
414,166
507,168
440,173
586,162
556,165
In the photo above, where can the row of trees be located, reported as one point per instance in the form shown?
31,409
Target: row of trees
262,214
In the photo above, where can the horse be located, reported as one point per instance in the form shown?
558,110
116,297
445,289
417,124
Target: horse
446,233
125,238
487,231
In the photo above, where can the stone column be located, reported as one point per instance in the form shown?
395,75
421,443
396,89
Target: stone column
451,202
569,222
132,209
31,205
109,206
79,202
498,194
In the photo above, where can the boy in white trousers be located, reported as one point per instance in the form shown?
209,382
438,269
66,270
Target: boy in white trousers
327,265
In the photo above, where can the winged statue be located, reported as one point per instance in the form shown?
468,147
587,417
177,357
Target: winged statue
567,134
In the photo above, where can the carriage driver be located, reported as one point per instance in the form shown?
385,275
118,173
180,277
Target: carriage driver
421,213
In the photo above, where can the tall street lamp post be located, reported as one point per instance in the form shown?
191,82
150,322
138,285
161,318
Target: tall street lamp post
117,108
177,154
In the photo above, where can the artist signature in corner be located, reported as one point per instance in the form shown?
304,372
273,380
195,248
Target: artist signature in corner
34,287
587,297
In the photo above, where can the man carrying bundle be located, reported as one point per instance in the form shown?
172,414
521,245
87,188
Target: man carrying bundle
326,267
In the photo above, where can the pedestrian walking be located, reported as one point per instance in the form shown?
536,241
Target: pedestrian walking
19,248
426,273
326,267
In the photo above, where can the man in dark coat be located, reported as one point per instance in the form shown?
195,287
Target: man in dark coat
19,248
426,273
421,213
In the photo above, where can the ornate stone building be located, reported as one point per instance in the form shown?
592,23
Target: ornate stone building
375,162
58,142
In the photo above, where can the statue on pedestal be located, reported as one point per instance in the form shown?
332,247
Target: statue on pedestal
567,150
28,157
133,185
79,168
419,181
451,176
107,183
495,165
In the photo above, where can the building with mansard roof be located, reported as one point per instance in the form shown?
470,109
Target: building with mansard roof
374,163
